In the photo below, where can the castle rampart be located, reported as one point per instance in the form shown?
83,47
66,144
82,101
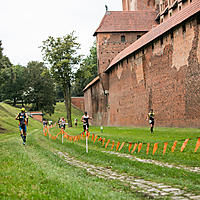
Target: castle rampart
161,70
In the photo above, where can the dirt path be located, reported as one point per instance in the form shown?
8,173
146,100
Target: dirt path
148,188
191,169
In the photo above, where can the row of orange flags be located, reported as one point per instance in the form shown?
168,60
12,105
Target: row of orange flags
118,146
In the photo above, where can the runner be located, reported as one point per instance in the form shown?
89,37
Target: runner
85,119
62,123
151,119
23,122
76,122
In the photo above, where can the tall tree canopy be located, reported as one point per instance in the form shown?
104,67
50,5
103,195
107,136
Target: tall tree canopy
41,89
5,73
86,73
61,54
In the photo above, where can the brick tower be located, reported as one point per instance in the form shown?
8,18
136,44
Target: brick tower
134,5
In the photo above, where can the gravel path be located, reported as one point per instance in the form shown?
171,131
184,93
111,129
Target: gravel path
148,188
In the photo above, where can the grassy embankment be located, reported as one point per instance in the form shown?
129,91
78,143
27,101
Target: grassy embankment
34,171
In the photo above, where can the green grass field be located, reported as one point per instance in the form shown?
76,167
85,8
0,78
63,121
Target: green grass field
35,171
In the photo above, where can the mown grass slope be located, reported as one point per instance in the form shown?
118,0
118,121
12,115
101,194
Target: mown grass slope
35,171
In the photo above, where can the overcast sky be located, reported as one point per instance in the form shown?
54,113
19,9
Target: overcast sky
25,24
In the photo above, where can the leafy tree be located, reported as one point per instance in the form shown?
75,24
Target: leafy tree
4,60
5,73
61,54
41,90
86,73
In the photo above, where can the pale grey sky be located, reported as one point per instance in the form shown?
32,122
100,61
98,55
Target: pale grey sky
26,23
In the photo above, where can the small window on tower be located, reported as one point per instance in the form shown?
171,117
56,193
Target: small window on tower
123,39
172,35
184,28
161,40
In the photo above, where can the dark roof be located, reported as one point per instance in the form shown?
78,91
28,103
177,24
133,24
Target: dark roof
91,83
126,21
178,18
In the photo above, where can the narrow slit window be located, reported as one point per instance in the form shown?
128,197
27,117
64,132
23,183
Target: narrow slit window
184,28
123,39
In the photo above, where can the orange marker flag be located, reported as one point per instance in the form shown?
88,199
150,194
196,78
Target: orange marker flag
129,146
83,134
100,139
92,136
197,145
134,148
95,138
165,147
155,147
174,146
107,143
113,144
103,141
184,144
117,146
139,147
148,145
121,146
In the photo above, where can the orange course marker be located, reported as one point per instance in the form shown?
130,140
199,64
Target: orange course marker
184,144
129,146
139,147
121,146
134,148
197,145
155,147
113,145
174,146
117,146
107,143
95,138
103,141
165,147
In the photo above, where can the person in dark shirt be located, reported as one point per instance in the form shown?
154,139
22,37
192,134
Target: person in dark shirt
76,122
85,119
23,122
151,116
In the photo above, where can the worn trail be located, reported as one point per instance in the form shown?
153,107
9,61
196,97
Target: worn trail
162,164
148,188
